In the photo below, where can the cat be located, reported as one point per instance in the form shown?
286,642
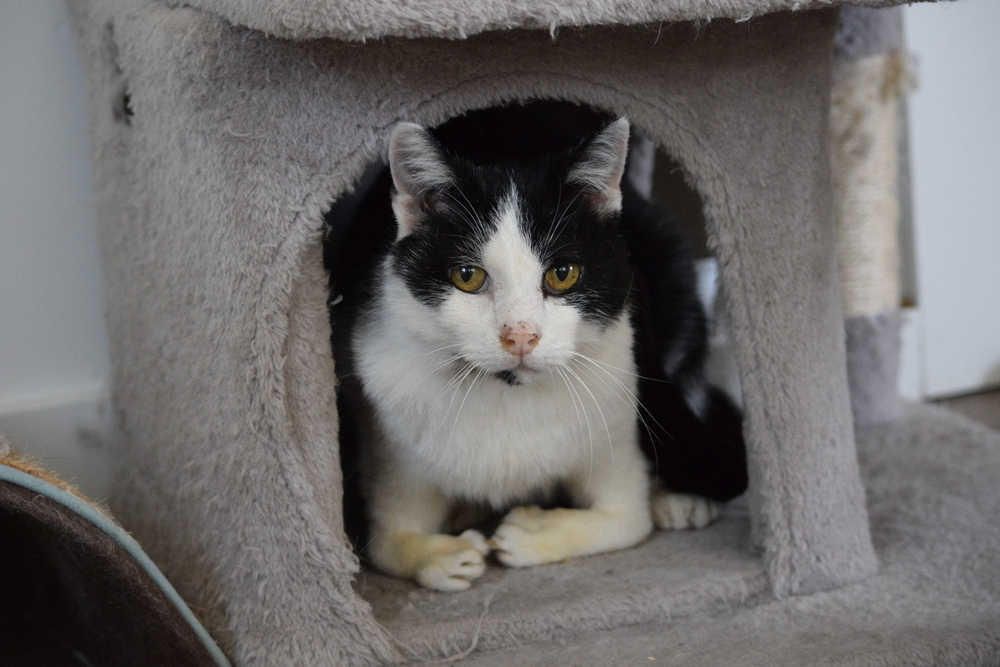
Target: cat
516,333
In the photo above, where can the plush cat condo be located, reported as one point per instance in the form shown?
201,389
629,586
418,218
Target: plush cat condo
224,131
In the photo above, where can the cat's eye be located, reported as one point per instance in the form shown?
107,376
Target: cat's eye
562,276
468,278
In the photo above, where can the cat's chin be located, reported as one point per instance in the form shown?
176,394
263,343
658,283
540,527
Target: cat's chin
519,375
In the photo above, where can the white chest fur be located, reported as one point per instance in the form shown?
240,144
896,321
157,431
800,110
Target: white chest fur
476,437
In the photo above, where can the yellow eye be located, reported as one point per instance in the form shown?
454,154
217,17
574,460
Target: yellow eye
468,278
562,276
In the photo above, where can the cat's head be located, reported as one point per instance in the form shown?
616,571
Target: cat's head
514,268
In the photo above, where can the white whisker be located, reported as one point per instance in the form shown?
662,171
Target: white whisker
443,347
600,411
620,370
442,364
640,408
563,216
580,411
453,386
479,374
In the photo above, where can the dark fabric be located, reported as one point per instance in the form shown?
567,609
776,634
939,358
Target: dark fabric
70,595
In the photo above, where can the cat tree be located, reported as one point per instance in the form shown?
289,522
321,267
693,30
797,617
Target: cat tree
224,130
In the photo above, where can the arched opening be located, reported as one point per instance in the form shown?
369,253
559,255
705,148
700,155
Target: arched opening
358,233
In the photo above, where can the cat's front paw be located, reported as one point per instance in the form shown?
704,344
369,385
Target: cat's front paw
532,536
452,563
680,511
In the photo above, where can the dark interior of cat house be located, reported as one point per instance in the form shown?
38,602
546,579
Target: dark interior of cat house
669,569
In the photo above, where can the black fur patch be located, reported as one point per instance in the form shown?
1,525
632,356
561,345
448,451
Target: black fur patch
508,377
557,219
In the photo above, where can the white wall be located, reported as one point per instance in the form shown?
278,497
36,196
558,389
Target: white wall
53,344
955,146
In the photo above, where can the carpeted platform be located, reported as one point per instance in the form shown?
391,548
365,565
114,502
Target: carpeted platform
668,576
933,485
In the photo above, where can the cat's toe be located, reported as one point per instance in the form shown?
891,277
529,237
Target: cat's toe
452,571
477,540
527,536
514,546
680,511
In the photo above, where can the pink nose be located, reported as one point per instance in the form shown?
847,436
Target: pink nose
520,339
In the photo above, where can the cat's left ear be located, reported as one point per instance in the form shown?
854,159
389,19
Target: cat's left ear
600,165
420,172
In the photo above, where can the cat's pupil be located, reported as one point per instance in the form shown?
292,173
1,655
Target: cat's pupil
466,273
562,272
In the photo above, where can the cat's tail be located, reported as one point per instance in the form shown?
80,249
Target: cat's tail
699,453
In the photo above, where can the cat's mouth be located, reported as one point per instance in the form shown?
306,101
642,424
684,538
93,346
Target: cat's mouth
509,377
517,376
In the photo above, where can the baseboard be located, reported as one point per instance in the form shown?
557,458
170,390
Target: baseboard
68,432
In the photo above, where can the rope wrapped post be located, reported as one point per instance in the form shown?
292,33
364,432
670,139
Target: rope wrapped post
870,76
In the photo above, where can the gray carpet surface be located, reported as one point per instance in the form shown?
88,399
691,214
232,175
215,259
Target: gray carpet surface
670,575
933,486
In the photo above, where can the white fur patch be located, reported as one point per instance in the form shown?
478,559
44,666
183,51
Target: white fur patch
513,296
681,511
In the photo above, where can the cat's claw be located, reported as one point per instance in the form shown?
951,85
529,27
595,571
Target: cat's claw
680,511
457,563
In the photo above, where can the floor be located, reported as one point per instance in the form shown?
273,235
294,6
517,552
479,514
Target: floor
983,407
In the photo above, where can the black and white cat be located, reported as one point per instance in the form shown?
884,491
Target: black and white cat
515,330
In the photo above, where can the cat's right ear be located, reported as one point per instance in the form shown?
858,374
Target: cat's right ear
420,173
600,165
